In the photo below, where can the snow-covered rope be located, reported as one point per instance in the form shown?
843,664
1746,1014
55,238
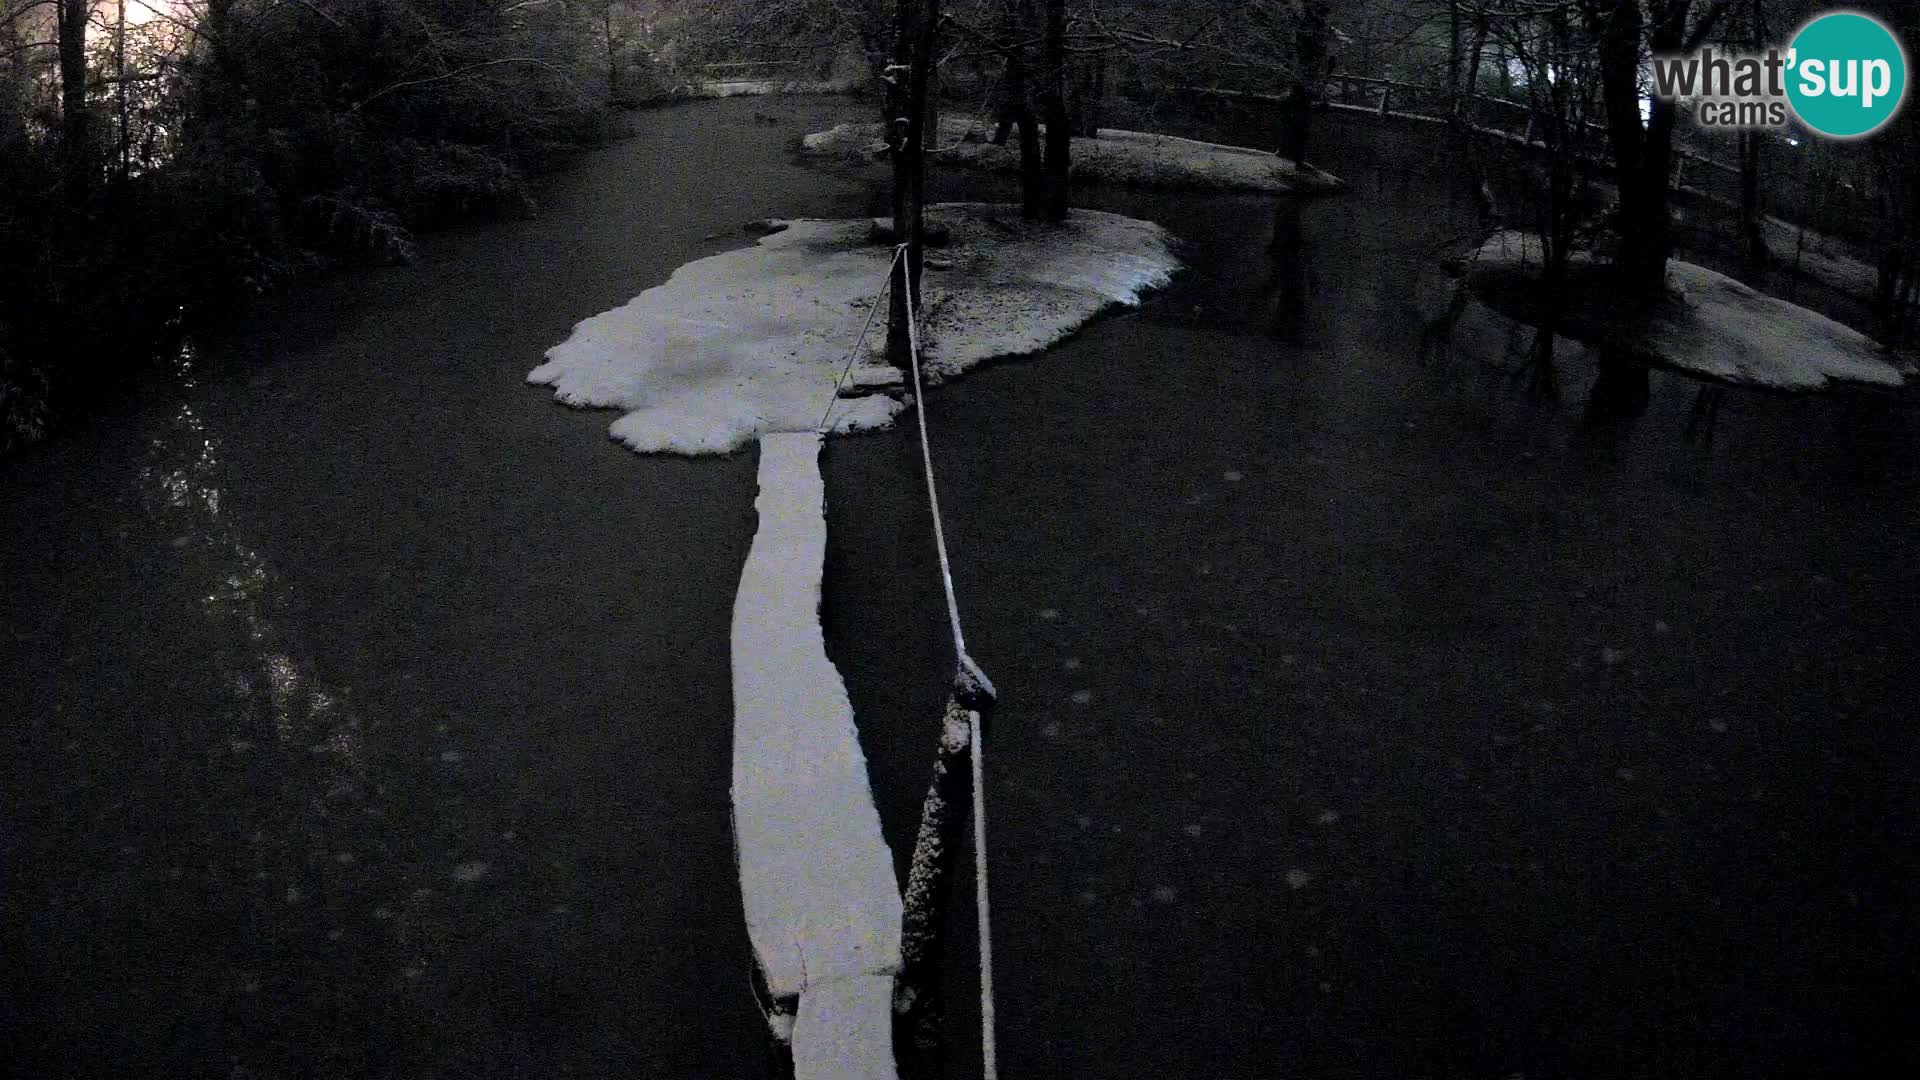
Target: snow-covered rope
854,353
989,1056
926,456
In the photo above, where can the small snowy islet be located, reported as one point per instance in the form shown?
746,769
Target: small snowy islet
754,340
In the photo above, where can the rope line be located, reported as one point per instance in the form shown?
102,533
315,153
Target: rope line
926,456
989,1054
854,353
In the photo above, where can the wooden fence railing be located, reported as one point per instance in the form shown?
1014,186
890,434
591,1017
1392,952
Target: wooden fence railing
1510,121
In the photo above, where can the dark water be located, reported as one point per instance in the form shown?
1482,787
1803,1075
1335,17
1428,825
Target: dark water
371,713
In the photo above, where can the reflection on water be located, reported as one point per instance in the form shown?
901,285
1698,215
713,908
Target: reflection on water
273,688
1289,251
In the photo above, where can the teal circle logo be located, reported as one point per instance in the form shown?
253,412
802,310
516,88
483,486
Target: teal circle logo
1846,74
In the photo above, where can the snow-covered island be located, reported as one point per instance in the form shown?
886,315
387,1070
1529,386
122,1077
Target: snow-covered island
754,340
1709,325
1126,158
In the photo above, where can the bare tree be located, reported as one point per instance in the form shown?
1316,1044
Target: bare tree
1626,31
1005,29
1272,49
1558,70
1643,158
75,122
1053,108
917,25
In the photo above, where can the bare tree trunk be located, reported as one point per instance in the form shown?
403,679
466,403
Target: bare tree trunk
1643,160
1752,143
1053,103
1895,283
1751,212
75,129
120,88
1453,48
1643,156
1288,249
1011,98
1643,254
1089,86
1033,183
613,57
1016,111
1089,94
1097,114
1463,101
917,22
1553,107
1310,47
934,89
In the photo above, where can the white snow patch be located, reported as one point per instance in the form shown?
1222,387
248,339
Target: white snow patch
816,876
470,871
1132,158
844,1030
1714,326
1826,259
753,341
727,88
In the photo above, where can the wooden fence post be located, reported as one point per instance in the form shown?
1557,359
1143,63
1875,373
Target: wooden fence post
917,1000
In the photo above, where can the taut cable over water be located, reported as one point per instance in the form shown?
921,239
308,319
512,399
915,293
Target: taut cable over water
973,695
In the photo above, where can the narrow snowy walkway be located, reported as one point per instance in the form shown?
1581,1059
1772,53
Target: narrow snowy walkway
822,905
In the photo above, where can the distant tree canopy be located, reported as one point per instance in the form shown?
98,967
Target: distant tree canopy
161,158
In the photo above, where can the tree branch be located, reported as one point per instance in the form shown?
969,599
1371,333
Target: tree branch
456,73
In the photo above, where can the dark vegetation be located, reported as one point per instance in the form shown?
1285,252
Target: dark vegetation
156,176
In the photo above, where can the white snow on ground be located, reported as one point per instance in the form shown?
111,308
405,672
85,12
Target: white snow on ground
1825,259
753,340
1131,158
844,1031
762,87
1716,327
816,877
